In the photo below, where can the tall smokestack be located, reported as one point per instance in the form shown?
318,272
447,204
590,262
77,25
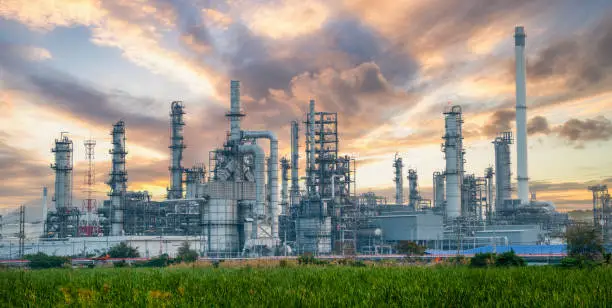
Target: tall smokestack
176,146
521,116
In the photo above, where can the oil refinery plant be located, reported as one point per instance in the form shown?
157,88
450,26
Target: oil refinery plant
248,202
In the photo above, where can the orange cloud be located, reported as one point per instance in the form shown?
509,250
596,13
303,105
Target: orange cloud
292,18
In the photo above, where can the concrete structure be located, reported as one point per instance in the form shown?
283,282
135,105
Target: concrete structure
521,116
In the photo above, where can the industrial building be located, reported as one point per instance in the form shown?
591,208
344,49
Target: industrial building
235,206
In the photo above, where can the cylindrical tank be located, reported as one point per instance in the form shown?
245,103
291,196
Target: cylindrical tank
220,223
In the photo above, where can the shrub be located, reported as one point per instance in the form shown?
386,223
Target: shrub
483,260
42,260
283,263
410,248
185,254
161,261
123,250
309,259
509,258
120,264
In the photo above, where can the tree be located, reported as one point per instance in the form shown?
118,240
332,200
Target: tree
185,254
584,241
410,248
123,250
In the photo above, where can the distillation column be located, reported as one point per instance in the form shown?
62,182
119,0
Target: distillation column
503,175
453,152
175,191
284,185
399,180
295,156
438,189
310,147
63,181
118,178
521,116
413,189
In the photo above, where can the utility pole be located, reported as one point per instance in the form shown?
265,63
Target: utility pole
21,230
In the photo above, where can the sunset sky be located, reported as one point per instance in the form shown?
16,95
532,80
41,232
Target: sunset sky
388,67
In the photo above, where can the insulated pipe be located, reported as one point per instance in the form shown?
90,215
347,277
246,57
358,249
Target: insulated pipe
521,116
273,174
260,194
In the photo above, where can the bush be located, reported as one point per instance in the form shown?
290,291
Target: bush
123,250
410,248
509,258
309,259
185,254
42,260
161,261
578,262
483,260
283,263
120,264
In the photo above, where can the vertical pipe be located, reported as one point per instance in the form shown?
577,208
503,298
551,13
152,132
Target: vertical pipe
521,116
176,146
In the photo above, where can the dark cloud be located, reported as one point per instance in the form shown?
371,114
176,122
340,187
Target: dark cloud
500,121
582,60
574,130
538,124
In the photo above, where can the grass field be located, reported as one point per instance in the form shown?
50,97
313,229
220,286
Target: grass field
335,286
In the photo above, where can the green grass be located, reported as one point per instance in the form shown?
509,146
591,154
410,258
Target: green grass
309,287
